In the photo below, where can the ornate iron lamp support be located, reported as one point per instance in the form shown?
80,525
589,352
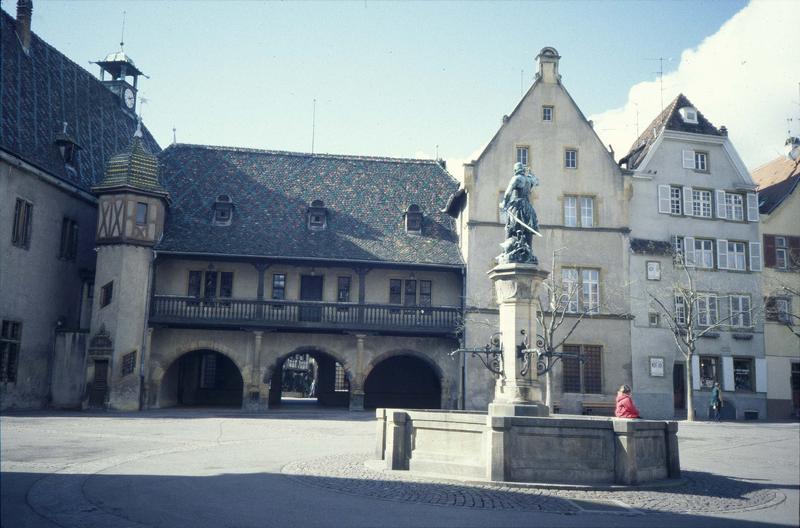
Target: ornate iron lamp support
545,360
491,355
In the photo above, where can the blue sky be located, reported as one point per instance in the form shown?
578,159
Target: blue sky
392,79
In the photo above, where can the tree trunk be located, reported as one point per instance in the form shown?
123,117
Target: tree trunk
548,391
689,402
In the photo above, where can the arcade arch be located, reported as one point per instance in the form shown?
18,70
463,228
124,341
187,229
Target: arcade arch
202,378
405,379
310,372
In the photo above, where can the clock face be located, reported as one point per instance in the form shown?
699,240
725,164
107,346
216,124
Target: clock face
129,98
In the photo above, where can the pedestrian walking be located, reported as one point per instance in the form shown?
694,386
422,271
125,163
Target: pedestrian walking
715,405
625,407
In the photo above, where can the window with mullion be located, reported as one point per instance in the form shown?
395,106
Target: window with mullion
675,200
701,203
569,287
395,291
571,370
706,309
587,211
737,257
279,286
734,206
570,211
425,293
740,311
591,290
703,253
343,289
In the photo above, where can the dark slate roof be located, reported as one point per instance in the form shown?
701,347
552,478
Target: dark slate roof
271,191
38,92
771,197
643,246
670,119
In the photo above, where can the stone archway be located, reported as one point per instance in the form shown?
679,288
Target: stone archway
404,379
330,374
202,378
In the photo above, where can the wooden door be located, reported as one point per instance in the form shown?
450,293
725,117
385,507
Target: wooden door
97,397
311,290
679,385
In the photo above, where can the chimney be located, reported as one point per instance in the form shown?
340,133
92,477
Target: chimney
24,12
548,66
723,130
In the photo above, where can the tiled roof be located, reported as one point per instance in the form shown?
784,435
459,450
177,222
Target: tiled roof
643,246
775,171
134,167
38,92
771,197
669,119
271,191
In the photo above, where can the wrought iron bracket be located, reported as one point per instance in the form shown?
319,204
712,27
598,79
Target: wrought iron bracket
491,354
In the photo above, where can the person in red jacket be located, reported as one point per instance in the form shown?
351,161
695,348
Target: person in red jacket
625,406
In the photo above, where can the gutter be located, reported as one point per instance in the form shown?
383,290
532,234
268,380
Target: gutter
48,178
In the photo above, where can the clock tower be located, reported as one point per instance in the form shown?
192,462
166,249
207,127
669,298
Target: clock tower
123,78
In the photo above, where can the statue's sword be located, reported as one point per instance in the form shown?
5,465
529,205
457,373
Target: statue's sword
523,224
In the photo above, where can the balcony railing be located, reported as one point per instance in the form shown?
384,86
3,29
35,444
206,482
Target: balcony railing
193,311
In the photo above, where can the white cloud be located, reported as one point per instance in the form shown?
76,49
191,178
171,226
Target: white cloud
745,77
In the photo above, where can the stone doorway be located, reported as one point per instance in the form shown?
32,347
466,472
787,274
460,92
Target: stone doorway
202,378
97,396
403,381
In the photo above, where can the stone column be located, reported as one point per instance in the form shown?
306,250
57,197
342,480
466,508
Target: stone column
256,397
357,383
516,287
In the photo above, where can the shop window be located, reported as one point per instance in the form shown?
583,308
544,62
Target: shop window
743,374
709,371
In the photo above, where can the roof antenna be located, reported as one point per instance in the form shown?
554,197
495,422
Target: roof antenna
122,35
660,74
313,125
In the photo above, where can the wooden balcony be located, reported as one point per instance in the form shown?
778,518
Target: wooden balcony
304,316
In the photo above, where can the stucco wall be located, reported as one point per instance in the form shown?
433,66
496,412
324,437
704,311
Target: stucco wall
39,289
602,247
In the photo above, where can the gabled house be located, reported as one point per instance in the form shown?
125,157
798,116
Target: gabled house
780,217
581,203
694,202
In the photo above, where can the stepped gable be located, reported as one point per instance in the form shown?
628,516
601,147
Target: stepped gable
40,91
272,191
669,119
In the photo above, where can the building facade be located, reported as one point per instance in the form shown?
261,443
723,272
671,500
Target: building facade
694,217
58,125
780,216
218,267
581,203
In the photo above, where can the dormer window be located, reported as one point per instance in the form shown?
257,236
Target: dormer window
317,216
68,148
688,114
223,210
413,219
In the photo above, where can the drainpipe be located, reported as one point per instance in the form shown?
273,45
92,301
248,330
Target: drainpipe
463,339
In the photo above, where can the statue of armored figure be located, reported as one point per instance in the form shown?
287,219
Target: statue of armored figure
521,220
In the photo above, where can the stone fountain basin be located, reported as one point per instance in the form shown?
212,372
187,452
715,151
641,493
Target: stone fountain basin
562,449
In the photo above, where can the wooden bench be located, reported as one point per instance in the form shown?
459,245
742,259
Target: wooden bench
598,408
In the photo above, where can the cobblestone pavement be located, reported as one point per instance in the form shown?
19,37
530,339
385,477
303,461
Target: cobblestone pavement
700,493
304,467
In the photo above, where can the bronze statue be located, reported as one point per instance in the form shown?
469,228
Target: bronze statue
521,220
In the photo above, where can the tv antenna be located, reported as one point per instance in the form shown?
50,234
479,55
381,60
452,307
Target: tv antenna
313,124
660,74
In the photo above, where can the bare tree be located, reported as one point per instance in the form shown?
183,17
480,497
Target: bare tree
690,317
788,317
559,306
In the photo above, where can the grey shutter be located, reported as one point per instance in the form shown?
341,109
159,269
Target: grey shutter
722,211
688,199
722,253
663,199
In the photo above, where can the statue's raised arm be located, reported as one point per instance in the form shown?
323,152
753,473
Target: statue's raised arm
521,220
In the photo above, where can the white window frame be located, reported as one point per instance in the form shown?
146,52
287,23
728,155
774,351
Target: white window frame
781,253
571,211
523,153
570,158
587,211
707,309
590,283
734,207
701,161
740,311
704,253
547,113
701,203
675,201
569,286
680,310
737,256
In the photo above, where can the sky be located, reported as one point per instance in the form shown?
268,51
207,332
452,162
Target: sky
433,79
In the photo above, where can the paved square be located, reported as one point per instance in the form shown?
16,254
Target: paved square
305,467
